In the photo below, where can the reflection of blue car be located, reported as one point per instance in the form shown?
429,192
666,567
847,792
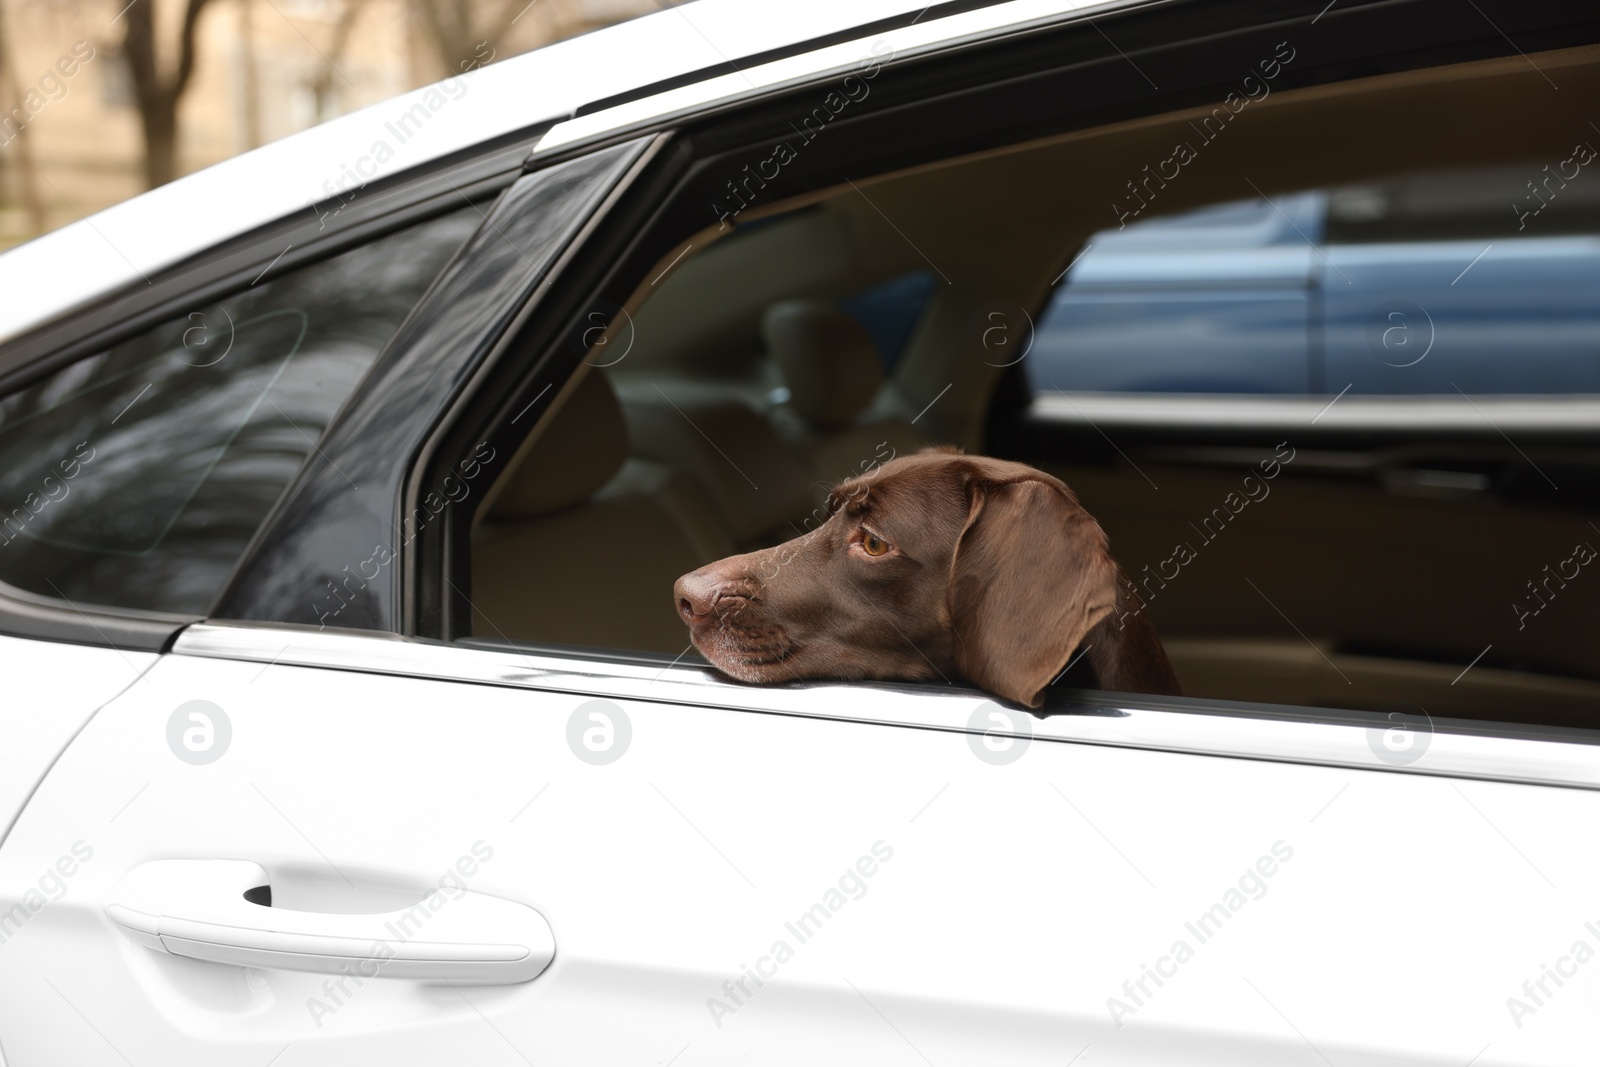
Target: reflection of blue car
1423,285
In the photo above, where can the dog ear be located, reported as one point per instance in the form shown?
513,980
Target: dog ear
1031,576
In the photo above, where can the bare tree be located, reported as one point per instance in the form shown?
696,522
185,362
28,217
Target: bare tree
322,86
157,95
249,77
21,156
456,28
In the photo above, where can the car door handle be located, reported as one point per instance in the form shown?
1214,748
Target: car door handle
198,908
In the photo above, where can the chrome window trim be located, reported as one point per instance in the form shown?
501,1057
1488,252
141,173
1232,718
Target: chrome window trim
1535,414
822,64
1286,735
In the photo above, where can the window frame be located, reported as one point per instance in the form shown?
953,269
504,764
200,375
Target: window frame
653,218
463,323
1454,748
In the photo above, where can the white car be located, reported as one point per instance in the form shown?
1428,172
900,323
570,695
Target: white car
343,486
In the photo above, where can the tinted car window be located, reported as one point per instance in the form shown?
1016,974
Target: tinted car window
135,477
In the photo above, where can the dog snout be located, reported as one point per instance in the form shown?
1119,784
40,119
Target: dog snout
704,594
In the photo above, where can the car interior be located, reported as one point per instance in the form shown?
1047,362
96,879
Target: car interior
1392,567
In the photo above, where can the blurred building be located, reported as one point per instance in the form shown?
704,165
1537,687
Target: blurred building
71,136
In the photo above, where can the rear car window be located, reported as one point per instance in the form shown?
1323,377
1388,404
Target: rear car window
135,477
890,311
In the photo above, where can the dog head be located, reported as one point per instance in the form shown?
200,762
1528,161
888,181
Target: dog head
931,567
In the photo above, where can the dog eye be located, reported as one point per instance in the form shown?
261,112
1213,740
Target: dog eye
872,544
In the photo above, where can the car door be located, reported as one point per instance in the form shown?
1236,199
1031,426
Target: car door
1429,281
58,687
861,874
140,457
1222,296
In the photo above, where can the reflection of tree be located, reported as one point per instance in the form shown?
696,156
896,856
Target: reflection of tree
183,476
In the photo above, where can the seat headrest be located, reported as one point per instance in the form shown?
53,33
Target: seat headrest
584,445
756,485
827,358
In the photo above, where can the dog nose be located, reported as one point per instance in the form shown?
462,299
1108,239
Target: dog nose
697,595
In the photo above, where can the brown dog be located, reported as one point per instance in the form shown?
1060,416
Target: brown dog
933,566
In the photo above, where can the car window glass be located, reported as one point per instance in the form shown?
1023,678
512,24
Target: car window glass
135,477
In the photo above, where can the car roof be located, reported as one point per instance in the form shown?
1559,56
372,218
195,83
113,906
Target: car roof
682,56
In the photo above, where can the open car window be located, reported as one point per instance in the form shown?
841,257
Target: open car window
1408,529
